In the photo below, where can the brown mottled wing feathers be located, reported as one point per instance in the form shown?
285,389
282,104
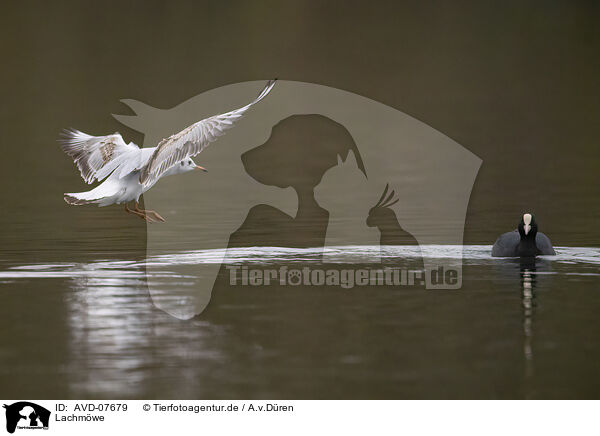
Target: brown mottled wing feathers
192,140
95,156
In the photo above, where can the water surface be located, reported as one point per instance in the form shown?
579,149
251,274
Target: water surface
90,330
517,86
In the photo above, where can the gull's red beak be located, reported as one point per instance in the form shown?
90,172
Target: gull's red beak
198,167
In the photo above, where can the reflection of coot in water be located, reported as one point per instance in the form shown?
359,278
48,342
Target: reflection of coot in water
299,151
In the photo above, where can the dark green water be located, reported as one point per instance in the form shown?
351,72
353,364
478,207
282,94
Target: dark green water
89,329
518,86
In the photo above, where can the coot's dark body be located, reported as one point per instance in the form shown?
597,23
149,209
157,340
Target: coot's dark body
525,241
507,245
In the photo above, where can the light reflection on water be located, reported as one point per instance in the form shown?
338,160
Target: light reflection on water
106,269
309,343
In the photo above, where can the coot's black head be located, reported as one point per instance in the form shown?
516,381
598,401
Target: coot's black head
528,227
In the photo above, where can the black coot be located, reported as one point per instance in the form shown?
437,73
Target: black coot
523,242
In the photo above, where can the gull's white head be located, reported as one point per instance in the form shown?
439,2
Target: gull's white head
527,223
187,165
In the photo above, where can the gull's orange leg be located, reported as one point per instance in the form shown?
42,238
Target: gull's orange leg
145,212
156,215
139,213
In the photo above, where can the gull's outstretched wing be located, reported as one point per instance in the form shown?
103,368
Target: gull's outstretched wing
192,140
97,156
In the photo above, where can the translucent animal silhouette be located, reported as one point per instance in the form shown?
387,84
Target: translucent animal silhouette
433,176
300,150
346,193
384,218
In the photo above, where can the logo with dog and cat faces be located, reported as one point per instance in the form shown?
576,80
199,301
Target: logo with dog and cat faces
24,415
329,176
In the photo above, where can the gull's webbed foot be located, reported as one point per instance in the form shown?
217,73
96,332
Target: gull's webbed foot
139,213
146,213
156,215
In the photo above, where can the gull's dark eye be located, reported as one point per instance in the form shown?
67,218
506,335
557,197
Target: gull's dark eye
181,163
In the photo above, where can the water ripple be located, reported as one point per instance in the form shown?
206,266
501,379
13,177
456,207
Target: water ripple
157,266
